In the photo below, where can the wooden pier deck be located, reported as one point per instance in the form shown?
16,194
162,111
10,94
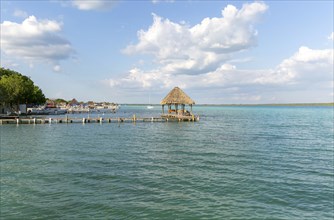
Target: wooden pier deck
67,120
180,117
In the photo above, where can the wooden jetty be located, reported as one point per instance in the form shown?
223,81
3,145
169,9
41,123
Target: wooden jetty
68,120
175,98
173,117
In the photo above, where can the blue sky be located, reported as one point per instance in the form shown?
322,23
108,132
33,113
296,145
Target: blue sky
218,52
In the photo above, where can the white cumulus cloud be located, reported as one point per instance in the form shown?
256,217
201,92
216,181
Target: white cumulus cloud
93,4
182,49
202,58
35,40
308,69
305,65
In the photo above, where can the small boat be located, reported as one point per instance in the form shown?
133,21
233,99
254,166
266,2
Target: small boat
149,103
46,111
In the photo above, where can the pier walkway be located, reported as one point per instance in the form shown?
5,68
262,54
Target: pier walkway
67,120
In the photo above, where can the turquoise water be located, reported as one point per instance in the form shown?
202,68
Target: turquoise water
235,163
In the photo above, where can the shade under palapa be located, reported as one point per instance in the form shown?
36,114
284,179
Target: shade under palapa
177,96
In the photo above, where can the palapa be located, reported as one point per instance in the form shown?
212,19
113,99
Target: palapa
177,96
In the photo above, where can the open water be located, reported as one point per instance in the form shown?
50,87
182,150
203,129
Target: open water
235,163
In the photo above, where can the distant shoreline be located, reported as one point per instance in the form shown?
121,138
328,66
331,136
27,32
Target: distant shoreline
269,104
274,104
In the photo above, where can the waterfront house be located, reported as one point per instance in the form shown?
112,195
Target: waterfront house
51,103
73,102
91,104
176,101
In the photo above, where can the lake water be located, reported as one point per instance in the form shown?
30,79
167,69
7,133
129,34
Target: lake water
236,162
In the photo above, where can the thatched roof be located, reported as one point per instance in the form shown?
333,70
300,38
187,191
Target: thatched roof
177,96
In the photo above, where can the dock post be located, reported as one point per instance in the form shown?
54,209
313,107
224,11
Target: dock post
83,120
50,120
152,119
101,120
34,120
17,121
134,118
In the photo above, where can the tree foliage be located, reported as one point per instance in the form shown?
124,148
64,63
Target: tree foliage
61,101
16,88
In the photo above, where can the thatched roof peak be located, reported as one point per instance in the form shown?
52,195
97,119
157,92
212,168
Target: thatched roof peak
177,96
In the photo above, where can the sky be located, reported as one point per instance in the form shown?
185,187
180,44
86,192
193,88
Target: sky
218,52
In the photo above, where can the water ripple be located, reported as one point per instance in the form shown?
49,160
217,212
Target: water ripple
236,163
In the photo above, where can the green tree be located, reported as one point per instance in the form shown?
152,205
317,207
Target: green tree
16,89
2,94
7,72
37,96
60,100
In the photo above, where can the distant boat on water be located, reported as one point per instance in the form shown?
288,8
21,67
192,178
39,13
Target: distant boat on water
149,103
